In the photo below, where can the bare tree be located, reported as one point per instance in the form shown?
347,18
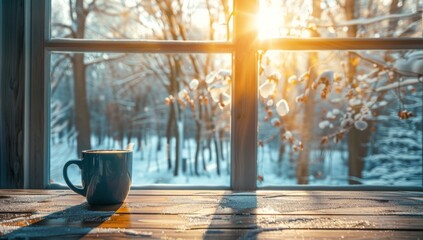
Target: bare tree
309,109
82,117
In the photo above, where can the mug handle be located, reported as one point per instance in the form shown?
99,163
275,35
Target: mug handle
80,191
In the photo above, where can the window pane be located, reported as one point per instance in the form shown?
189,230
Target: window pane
343,18
175,108
340,118
131,19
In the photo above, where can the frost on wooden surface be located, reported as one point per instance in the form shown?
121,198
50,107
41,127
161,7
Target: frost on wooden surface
163,213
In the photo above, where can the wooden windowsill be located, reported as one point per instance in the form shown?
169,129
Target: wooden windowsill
215,214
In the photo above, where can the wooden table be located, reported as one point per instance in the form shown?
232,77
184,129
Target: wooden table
190,214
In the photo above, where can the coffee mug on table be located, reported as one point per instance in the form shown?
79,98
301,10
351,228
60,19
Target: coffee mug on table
106,175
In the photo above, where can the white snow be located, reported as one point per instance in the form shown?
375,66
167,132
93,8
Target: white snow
282,107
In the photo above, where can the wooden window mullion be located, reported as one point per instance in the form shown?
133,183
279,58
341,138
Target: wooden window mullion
244,97
38,124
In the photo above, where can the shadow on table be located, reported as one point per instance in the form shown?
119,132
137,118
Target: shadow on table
235,217
76,221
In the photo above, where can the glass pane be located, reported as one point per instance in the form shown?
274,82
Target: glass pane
340,118
340,18
174,107
132,19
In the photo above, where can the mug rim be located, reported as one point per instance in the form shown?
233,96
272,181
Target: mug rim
106,151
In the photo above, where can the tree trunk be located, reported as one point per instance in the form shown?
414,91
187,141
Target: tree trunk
217,151
198,139
308,119
169,128
129,131
280,159
393,23
197,147
139,140
179,135
357,149
203,158
82,115
209,139
307,130
221,136
179,113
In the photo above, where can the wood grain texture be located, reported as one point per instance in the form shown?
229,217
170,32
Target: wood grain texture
341,44
38,93
167,46
215,214
266,193
12,87
244,98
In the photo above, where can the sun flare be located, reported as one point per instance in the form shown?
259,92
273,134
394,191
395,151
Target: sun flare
272,21
267,20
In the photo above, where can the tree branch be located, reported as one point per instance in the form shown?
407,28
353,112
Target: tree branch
378,62
100,60
368,21
409,81
62,25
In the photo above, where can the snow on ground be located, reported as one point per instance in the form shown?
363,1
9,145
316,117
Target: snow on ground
150,167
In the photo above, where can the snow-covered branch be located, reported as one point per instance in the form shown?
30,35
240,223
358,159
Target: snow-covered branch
368,21
103,60
382,63
409,81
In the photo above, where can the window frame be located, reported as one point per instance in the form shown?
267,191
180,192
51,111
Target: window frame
244,109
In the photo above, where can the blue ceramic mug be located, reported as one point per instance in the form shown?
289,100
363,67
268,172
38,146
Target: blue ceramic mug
106,175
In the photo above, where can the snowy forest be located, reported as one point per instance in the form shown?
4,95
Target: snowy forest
325,117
